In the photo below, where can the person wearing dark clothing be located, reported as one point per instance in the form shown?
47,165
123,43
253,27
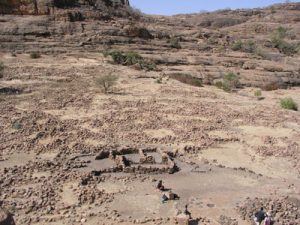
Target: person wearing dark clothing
259,216
186,211
160,186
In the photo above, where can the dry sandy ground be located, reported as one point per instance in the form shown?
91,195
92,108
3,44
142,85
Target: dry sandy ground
243,147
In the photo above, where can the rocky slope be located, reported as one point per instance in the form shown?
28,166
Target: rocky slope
48,7
71,154
205,41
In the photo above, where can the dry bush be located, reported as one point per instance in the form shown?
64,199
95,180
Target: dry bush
221,22
140,32
187,79
130,58
272,86
174,43
106,82
226,22
35,55
229,82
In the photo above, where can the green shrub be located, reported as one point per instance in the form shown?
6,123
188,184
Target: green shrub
258,93
35,55
229,82
219,84
237,45
287,48
247,46
289,103
283,46
281,32
1,69
126,59
106,82
130,58
232,79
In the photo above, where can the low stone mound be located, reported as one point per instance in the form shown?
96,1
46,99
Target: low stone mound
6,217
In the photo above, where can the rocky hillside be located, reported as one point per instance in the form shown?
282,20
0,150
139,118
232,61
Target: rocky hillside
48,7
261,46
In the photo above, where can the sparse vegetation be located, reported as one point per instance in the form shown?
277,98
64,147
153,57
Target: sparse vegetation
159,80
258,93
106,82
187,79
281,32
237,45
271,86
126,59
17,125
35,55
289,103
147,65
246,46
174,43
283,46
140,32
129,59
264,55
221,22
229,82
1,69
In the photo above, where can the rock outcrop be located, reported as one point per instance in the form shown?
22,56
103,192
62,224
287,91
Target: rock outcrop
47,7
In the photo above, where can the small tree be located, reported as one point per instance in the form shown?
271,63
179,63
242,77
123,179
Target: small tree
106,82
1,69
289,103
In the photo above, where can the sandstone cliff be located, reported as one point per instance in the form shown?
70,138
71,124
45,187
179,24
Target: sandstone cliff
46,7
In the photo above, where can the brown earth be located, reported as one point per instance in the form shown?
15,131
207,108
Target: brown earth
73,155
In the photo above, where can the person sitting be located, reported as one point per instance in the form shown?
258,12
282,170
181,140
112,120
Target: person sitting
164,198
259,216
268,219
172,196
186,212
160,186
